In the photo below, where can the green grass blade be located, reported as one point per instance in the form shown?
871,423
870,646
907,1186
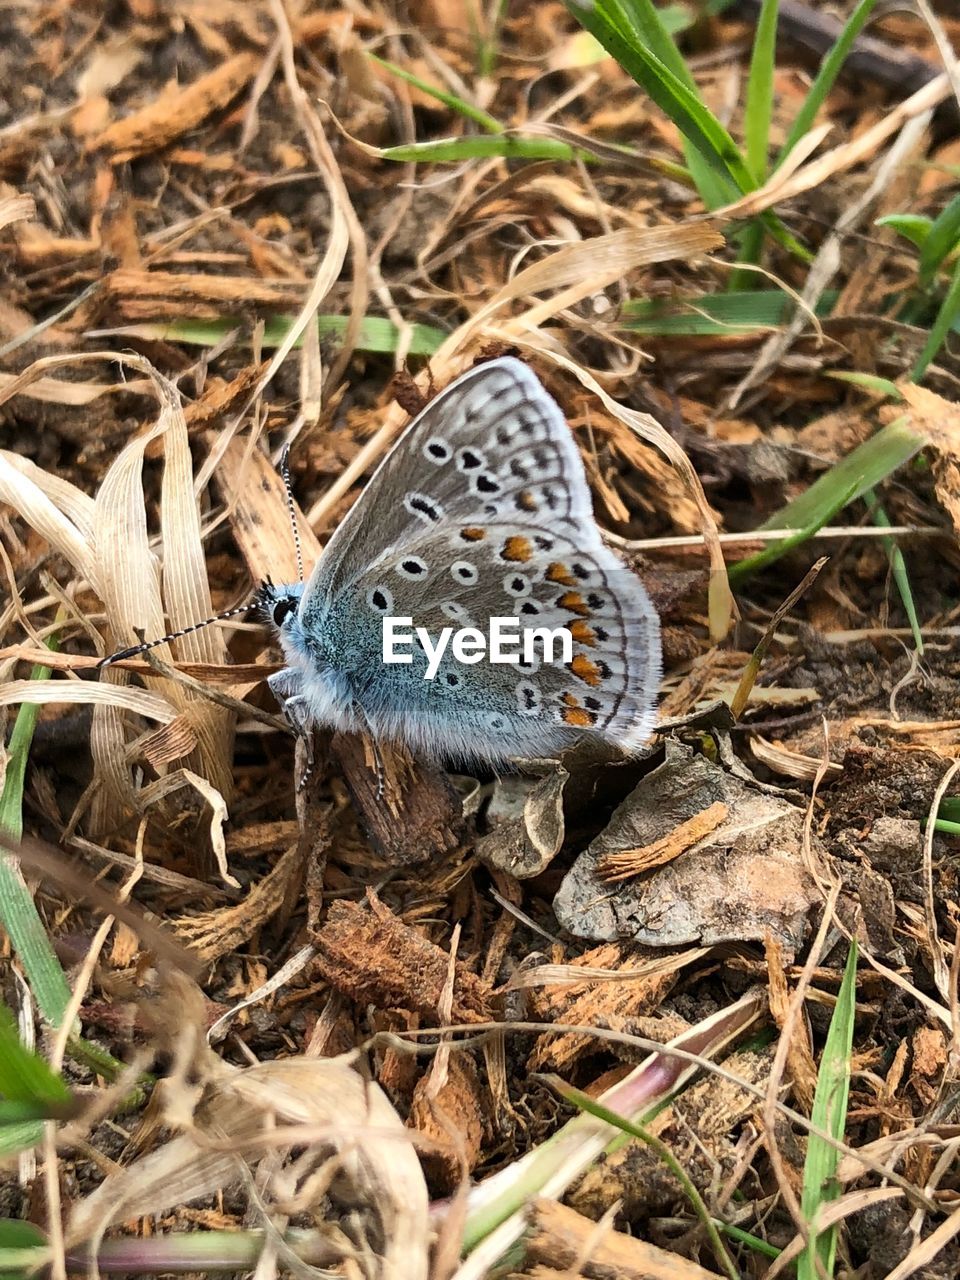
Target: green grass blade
17,1234
677,18
839,498
18,911
914,227
15,1138
631,31
630,1128
849,479
750,242
623,36
941,241
826,77
747,1238
863,468
759,107
642,21
31,1092
868,381
829,1114
946,318
483,146
23,1249
717,314
898,567
377,334
463,108
645,22
487,47
24,1076
948,816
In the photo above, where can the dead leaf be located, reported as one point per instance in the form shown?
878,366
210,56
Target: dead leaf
743,880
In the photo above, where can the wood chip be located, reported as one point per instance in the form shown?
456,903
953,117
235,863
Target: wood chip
419,816
164,295
369,954
177,110
606,1004
452,1118
560,1240
631,862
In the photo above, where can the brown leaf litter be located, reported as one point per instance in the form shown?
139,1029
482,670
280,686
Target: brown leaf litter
223,162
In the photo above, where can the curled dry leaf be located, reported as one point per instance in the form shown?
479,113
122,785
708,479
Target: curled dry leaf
260,517
745,878
355,1165
40,692
57,391
528,823
790,764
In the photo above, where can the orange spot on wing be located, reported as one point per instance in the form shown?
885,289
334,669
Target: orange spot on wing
517,549
579,718
586,670
574,602
560,574
570,700
526,501
582,633
473,534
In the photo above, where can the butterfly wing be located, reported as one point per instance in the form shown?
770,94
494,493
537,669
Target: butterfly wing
492,441
482,510
553,587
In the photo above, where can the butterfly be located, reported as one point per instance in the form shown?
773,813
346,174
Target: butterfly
481,510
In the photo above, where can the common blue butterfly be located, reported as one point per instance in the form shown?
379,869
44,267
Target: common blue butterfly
480,510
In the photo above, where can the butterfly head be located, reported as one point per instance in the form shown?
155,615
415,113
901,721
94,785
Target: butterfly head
278,603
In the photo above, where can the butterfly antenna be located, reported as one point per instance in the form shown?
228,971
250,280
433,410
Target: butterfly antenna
136,649
291,506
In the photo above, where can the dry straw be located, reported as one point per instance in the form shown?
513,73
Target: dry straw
107,542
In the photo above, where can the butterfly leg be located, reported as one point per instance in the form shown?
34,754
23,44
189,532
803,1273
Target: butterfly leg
304,731
296,713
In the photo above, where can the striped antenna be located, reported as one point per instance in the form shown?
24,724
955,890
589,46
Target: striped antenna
258,599
136,649
291,506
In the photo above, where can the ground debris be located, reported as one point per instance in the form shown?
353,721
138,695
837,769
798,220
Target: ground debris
744,878
370,955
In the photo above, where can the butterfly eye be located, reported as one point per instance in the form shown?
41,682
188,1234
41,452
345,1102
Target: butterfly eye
282,610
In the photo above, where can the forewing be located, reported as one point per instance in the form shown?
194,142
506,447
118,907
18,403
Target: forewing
492,446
